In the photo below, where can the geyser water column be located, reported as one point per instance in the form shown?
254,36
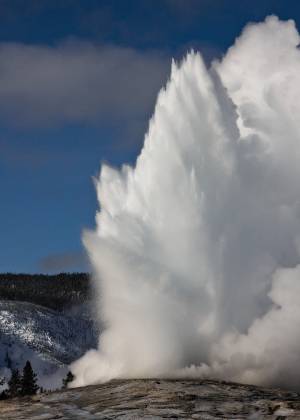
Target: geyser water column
196,249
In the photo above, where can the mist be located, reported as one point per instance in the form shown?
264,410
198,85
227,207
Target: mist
196,253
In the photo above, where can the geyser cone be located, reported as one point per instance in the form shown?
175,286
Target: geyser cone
196,248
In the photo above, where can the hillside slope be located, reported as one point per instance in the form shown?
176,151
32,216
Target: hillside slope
49,339
60,338
157,399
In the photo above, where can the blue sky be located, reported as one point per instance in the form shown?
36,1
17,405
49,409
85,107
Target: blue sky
78,82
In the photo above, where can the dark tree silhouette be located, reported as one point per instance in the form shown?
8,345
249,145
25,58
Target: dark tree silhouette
29,381
69,378
14,384
3,395
7,361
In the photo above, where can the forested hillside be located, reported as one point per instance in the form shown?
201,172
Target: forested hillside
58,292
46,319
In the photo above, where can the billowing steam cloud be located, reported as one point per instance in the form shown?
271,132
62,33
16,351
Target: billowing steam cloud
197,248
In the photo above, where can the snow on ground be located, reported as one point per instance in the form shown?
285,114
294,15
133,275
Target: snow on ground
49,339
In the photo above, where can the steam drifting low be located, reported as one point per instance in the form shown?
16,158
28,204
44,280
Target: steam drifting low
197,248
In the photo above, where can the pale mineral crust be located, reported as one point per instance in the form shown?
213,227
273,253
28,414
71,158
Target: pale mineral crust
157,399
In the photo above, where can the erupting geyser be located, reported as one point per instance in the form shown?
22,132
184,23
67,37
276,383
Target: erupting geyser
197,248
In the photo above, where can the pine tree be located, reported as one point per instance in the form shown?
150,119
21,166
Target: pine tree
3,395
14,384
29,381
7,361
69,378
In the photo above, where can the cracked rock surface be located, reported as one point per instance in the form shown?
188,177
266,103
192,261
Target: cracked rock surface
157,399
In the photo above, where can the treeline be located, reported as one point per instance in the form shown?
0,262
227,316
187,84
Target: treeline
26,384
57,292
20,385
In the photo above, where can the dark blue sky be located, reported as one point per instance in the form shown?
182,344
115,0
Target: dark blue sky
78,81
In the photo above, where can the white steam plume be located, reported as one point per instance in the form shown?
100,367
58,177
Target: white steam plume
197,248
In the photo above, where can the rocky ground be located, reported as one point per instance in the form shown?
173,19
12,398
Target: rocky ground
157,399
